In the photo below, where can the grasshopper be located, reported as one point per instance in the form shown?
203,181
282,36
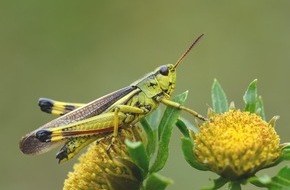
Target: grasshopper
81,124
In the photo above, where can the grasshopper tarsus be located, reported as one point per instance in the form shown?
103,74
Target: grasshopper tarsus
62,154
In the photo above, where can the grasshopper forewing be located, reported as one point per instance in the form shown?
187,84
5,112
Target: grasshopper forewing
81,124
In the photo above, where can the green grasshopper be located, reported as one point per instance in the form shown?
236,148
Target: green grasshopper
81,124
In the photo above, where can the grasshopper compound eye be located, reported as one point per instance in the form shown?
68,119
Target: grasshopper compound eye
164,70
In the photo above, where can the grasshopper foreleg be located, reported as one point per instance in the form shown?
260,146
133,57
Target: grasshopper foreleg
179,106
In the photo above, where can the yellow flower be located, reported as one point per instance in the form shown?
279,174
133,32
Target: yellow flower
111,169
236,144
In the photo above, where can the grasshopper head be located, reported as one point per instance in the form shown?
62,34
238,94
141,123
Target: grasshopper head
166,77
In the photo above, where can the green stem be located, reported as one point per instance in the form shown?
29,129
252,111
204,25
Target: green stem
235,186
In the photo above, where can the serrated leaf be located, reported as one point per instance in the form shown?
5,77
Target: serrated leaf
219,99
138,155
167,122
251,98
187,149
151,137
279,182
158,182
217,183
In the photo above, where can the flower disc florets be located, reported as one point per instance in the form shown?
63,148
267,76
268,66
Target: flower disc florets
236,144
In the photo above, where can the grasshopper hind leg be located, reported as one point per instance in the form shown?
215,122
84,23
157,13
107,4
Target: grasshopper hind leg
72,147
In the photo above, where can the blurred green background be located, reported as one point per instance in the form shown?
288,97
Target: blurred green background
81,50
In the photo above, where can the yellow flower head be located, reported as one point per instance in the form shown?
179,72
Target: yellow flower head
99,168
236,144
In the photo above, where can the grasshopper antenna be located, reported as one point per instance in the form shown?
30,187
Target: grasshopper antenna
186,52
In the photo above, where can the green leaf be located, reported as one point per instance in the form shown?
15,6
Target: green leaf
260,108
217,183
259,181
125,182
219,99
253,102
151,137
138,155
187,148
279,182
158,182
182,128
165,127
184,125
154,118
251,97
285,153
